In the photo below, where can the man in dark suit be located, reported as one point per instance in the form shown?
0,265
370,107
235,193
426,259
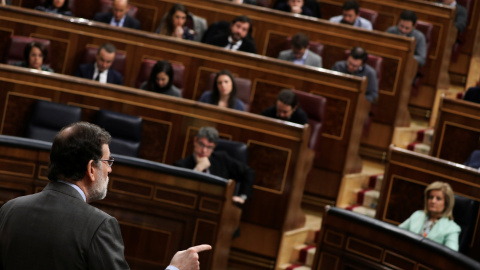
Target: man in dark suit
299,53
118,16
218,163
286,108
237,38
57,228
101,69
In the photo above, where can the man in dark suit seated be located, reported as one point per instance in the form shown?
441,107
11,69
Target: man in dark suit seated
236,38
299,53
356,64
101,69
218,163
118,16
472,94
286,108
57,228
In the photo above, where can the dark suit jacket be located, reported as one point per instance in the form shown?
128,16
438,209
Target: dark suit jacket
222,165
472,94
221,40
56,229
86,71
473,160
106,17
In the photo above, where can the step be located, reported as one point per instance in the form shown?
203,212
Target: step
294,267
419,148
375,182
304,254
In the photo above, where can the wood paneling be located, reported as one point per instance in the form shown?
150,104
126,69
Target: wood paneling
352,241
275,205
406,176
443,37
457,130
152,229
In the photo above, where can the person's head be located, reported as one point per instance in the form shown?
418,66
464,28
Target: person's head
34,54
162,75
350,11
300,44
80,151
105,56
286,104
241,26
224,85
295,3
177,16
357,58
205,142
439,200
58,4
407,22
119,9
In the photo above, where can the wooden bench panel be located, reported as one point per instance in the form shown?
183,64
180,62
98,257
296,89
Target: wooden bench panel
278,152
457,130
154,226
443,37
272,26
406,176
268,76
349,240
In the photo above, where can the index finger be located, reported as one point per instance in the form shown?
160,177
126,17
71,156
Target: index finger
200,248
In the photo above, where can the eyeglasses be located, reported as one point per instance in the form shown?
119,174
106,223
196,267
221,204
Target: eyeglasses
109,161
201,145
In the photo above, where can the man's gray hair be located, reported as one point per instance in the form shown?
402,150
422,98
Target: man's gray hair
210,133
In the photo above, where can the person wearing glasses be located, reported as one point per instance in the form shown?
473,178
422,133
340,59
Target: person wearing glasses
57,228
356,64
205,159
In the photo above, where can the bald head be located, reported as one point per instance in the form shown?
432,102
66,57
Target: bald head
119,9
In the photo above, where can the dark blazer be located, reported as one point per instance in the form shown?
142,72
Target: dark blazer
223,165
56,229
86,71
473,160
106,17
221,40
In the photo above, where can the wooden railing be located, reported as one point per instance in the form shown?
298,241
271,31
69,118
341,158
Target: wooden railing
161,209
350,240
406,176
443,37
278,152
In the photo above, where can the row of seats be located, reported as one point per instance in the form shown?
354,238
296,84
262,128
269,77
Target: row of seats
48,118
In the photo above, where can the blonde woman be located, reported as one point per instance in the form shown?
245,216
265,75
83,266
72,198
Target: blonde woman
435,222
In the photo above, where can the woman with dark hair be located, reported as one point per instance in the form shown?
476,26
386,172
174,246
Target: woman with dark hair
224,92
435,221
55,7
175,23
161,80
34,54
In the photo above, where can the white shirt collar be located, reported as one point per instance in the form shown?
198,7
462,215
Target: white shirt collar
76,188
103,75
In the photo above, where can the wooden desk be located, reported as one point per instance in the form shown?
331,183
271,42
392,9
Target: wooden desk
443,36
168,209
457,130
406,176
346,107
278,151
350,240
272,27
